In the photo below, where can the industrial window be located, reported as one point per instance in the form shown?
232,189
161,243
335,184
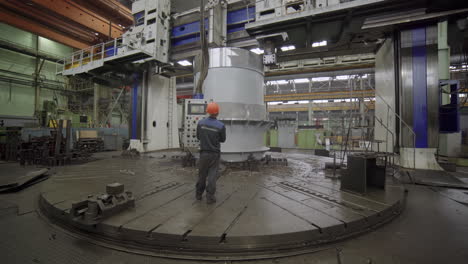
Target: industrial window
294,6
152,11
267,12
151,21
139,18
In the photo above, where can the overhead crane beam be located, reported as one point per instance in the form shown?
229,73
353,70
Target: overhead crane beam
318,96
109,9
26,24
290,108
81,15
284,72
50,21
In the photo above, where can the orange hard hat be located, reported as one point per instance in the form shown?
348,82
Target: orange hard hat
212,108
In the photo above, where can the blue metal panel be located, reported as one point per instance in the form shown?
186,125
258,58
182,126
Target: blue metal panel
111,51
237,19
190,32
187,33
241,15
185,40
420,124
186,29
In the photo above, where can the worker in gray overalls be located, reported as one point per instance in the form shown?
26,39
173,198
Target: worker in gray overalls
211,133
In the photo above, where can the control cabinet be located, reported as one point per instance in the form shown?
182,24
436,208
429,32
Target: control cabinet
195,110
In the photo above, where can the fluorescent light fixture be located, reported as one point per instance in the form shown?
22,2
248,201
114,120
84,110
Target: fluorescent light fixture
320,101
279,82
301,80
321,79
184,63
287,48
257,51
319,44
274,103
342,77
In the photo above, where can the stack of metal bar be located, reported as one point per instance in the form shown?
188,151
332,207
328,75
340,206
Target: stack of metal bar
53,150
90,145
11,139
89,141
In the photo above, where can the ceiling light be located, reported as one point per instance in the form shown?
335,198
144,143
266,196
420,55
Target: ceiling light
319,44
301,80
287,48
184,63
274,103
257,51
342,77
321,79
281,82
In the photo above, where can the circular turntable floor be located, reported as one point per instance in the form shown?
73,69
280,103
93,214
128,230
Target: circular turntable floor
274,209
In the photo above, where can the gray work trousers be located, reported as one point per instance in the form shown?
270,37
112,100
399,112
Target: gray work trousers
208,171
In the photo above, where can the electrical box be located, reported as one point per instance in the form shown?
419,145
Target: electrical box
195,110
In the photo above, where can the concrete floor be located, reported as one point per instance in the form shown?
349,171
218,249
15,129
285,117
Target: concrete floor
432,229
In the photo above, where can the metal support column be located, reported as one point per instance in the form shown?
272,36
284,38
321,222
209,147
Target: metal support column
361,103
135,108
170,112
58,140
68,141
444,57
37,71
310,111
96,105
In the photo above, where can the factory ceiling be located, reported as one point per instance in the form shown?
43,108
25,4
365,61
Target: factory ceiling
77,23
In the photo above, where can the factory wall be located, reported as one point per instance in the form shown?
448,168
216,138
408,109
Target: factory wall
17,94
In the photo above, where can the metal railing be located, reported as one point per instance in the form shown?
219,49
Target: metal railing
294,6
89,55
390,109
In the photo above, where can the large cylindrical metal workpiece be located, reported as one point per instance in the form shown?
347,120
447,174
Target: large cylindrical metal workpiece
235,81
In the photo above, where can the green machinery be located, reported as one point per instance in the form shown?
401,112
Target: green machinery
311,139
305,138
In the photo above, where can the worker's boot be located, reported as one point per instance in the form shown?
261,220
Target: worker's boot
210,199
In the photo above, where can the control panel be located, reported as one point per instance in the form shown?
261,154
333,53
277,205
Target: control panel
195,110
